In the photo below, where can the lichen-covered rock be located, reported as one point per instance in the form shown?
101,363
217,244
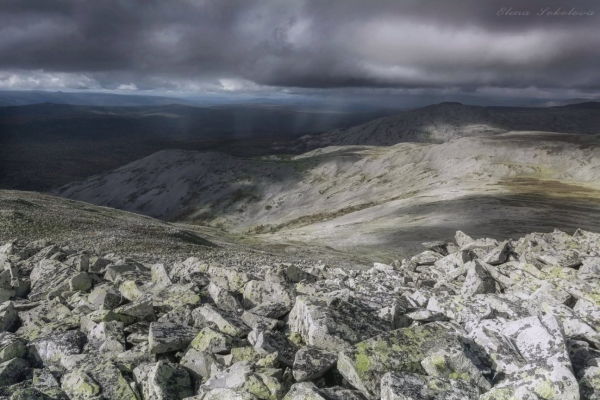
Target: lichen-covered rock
268,342
224,394
43,378
52,348
409,386
288,273
225,322
11,347
548,372
13,371
271,309
212,341
176,295
256,321
51,278
105,297
141,309
589,383
312,363
402,350
478,280
264,383
163,381
8,316
139,354
111,380
504,355
199,364
223,299
79,385
257,292
520,321
165,337
305,391
333,326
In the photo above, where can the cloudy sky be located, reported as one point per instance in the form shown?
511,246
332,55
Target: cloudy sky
303,46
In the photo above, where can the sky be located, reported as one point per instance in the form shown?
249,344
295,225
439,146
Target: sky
351,48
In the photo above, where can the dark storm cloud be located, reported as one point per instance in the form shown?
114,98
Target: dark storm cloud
188,45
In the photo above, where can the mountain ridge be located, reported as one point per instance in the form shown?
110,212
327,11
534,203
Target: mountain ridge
441,122
357,191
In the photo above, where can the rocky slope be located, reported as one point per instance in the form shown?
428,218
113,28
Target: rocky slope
369,199
465,319
446,121
30,216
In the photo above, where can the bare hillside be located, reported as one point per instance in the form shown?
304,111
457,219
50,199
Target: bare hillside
361,197
442,122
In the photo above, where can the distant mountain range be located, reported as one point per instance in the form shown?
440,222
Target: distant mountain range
47,145
26,97
446,121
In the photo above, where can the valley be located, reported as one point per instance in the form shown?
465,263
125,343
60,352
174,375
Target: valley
375,200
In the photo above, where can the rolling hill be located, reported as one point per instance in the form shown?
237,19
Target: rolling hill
365,199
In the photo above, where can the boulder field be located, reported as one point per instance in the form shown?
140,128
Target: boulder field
464,319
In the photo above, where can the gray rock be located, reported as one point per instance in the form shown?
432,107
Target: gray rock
43,378
175,296
11,347
254,321
548,371
165,337
79,385
462,239
224,299
271,309
589,383
499,254
225,322
52,348
333,326
8,316
311,363
163,381
267,342
198,363
402,350
396,386
13,371
141,309
243,378
105,297
257,292
288,273
52,277
305,391
478,280
212,341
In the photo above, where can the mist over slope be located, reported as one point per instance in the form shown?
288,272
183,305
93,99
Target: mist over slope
446,121
361,197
